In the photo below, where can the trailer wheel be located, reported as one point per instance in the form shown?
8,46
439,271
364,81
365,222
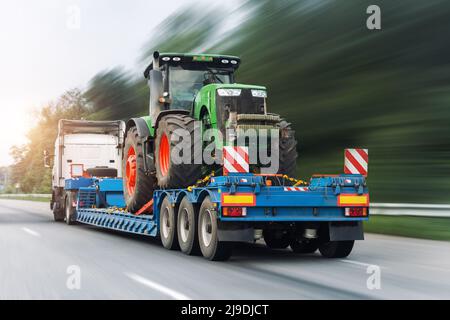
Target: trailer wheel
70,211
168,225
310,246
276,240
187,225
336,249
210,246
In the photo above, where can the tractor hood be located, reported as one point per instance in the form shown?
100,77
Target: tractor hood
223,99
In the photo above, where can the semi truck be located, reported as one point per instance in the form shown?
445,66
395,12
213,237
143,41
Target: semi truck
83,149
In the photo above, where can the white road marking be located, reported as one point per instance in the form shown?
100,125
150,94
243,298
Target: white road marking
156,286
358,263
32,232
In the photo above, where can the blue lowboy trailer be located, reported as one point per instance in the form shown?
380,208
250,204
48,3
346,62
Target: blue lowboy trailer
209,218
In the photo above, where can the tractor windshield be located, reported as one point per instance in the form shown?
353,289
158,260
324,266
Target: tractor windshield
184,84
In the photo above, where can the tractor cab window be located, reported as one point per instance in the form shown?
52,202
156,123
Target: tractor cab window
184,84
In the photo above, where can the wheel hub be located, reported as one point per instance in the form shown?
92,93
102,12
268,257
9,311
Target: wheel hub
184,223
207,228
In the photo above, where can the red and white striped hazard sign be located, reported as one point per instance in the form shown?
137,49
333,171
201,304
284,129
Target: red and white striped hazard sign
356,161
295,188
235,160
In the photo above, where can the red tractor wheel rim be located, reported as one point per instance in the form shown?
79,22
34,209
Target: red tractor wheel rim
131,171
164,155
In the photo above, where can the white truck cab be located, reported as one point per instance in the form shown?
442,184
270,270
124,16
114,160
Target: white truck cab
84,149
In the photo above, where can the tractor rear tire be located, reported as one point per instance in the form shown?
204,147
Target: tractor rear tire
288,149
137,185
171,138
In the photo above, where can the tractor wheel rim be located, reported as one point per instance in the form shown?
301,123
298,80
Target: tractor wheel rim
164,155
130,171
184,225
207,228
165,225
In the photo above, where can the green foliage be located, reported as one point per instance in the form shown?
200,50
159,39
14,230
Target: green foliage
410,226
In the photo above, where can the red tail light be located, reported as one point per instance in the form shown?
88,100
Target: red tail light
356,212
234,211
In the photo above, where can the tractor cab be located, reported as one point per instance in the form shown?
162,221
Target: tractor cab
176,79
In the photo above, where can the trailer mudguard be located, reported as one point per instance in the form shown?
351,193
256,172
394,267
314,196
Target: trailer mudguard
229,232
343,231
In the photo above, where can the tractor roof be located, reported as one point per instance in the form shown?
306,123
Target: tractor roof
210,60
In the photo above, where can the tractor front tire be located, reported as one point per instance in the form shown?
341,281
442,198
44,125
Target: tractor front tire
174,137
137,185
288,149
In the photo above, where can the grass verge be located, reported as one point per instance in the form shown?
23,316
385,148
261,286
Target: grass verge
410,226
26,198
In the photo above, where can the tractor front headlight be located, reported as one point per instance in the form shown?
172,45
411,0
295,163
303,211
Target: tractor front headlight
259,93
229,92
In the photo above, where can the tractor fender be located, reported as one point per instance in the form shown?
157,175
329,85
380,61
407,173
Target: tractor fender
167,112
140,125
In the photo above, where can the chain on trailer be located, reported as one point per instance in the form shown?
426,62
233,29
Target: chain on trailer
203,182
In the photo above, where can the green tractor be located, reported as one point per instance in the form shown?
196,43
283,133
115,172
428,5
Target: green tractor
185,90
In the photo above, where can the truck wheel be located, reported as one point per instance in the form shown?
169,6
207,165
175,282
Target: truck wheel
288,149
310,246
137,186
58,214
168,225
70,210
187,228
276,240
172,138
336,249
210,246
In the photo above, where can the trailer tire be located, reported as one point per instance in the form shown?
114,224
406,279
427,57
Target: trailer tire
187,225
137,185
168,225
169,173
275,241
336,249
208,236
288,149
304,247
69,209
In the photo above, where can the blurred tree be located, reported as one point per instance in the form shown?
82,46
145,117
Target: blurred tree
28,169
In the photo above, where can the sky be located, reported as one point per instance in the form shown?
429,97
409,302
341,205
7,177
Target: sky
50,46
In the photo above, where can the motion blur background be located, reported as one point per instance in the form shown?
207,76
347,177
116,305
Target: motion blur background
340,84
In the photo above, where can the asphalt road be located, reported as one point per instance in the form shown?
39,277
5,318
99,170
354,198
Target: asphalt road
36,255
